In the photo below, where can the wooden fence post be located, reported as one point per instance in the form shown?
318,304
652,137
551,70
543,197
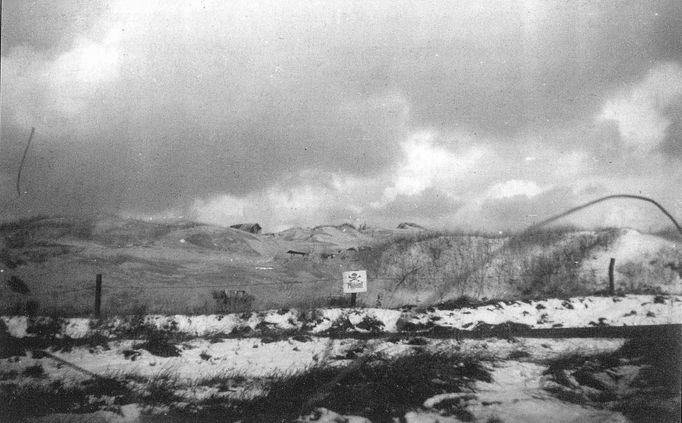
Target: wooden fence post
98,294
612,287
353,298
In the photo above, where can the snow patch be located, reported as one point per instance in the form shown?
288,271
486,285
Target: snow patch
16,325
630,310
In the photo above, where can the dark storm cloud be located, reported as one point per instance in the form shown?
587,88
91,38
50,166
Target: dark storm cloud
195,112
46,25
668,30
146,106
532,65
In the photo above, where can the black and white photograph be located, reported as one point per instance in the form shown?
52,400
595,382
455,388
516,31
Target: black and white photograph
341,211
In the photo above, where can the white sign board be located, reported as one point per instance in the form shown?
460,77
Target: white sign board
355,281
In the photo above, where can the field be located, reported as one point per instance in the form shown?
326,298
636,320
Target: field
201,323
173,268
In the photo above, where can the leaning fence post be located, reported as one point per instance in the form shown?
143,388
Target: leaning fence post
98,294
612,287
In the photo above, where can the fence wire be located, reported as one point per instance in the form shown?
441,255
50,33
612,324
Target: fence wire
423,280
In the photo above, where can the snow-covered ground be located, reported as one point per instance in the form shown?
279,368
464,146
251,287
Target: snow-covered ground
514,391
234,356
252,357
629,310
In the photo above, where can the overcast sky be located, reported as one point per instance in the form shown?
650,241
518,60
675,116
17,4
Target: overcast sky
481,115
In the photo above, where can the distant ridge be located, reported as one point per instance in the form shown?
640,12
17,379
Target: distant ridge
410,225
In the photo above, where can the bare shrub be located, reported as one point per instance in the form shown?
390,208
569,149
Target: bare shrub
440,262
35,370
159,343
17,285
558,272
45,327
233,301
124,302
378,389
31,307
541,237
661,271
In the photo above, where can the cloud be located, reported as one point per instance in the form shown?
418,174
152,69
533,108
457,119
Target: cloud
306,199
47,26
207,109
309,112
518,212
431,207
504,67
416,189
274,210
513,188
57,93
639,111
426,164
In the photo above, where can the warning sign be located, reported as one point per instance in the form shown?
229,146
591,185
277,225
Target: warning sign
355,281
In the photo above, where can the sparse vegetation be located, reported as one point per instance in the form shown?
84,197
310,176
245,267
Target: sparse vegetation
557,271
160,388
34,371
538,263
670,233
539,237
433,260
21,400
642,379
379,390
17,285
29,307
158,343
45,327
376,384
413,267
233,301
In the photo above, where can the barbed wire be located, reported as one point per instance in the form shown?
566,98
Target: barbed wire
599,200
514,277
